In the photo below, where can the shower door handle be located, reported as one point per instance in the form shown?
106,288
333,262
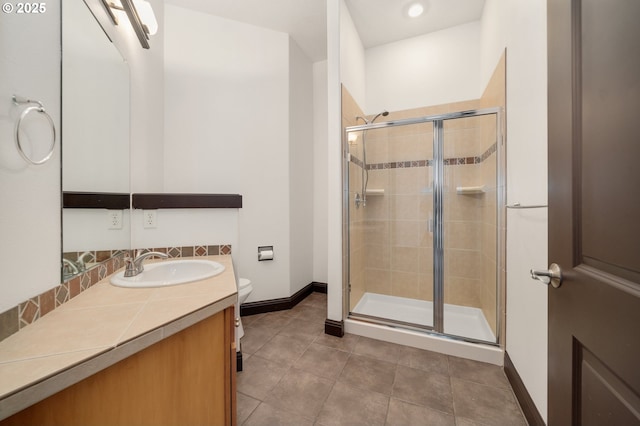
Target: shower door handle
553,276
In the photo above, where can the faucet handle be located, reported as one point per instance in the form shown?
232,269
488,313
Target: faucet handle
129,270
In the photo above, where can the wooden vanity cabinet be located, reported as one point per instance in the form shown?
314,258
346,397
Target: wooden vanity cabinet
186,379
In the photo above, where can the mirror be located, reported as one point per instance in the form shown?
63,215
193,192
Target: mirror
95,142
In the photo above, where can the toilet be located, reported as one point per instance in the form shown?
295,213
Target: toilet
244,289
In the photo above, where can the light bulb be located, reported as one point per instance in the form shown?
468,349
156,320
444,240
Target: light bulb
148,18
415,10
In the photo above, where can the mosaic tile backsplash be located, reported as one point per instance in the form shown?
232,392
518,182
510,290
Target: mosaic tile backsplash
456,161
33,309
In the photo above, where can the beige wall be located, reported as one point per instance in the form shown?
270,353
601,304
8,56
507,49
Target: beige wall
351,110
494,95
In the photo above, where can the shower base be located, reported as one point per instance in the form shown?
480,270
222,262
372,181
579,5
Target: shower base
460,321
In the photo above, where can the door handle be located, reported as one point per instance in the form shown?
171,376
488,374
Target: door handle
553,276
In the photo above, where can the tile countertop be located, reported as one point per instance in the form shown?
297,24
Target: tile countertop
100,327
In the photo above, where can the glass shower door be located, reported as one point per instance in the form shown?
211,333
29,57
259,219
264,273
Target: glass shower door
391,223
470,227
424,222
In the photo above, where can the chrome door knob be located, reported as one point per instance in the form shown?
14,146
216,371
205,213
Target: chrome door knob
553,276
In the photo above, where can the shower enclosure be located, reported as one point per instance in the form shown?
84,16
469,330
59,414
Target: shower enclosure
424,225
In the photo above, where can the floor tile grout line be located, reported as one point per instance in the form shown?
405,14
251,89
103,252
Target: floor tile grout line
254,409
453,399
350,349
506,388
315,420
393,385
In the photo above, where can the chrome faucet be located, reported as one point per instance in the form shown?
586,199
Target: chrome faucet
81,262
135,266
69,268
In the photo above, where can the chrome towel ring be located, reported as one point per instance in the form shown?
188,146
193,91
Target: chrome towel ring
35,106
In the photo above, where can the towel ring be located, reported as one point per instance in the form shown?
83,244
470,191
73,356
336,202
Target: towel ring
39,108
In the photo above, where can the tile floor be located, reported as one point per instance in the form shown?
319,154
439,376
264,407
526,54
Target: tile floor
294,374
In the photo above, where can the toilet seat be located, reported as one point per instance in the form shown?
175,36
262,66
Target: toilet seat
244,289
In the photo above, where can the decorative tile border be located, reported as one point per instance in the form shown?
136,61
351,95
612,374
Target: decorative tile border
400,164
33,309
456,161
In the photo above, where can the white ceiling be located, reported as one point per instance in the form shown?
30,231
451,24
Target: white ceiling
304,20
384,21
377,21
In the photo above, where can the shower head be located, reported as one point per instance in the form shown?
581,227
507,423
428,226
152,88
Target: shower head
383,113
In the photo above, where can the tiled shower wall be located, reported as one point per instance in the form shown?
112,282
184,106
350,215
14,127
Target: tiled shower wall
494,95
391,244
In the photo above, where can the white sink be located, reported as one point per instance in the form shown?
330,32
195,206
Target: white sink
170,272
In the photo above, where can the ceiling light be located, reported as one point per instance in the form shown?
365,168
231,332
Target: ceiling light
415,10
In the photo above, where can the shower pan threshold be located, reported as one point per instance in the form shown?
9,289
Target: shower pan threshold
462,321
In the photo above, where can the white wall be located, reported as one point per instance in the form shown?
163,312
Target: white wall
320,174
437,68
227,130
334,162
352,58
30,215
521,27
301,167
527,183
186,227
494,32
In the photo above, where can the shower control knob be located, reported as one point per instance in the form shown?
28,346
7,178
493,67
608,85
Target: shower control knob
553,276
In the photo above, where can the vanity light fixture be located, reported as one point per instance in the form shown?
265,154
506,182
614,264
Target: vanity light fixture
415,10
140,14
145,11
352,138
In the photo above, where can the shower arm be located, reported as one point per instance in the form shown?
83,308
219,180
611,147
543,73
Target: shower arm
365,171
364,174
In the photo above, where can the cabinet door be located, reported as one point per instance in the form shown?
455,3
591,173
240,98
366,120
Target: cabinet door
187,378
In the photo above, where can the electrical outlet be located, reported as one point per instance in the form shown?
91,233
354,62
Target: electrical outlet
149,218
115,219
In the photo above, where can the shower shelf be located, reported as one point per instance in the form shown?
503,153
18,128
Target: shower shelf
470,189
375,192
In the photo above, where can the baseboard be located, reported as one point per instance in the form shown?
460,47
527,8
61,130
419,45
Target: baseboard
284,303
333,327
319,287
529,408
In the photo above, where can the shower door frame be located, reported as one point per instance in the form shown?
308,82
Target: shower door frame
438,234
